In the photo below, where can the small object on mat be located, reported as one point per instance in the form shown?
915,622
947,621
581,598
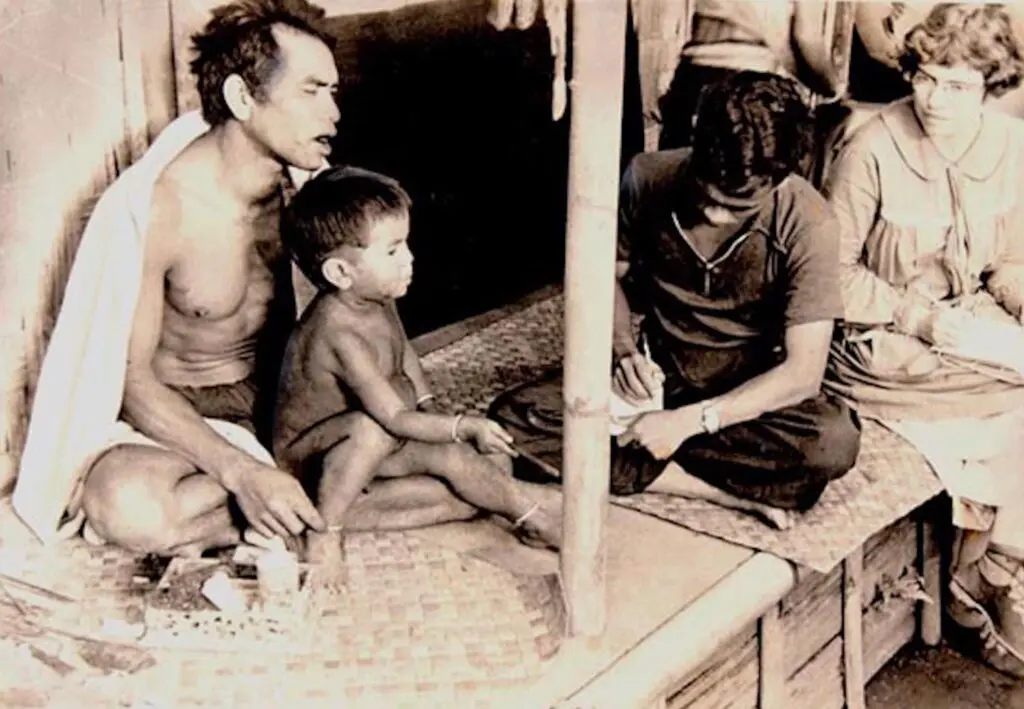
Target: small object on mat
275,543
109,657
52,661
219,591
278,575
151,568
246,554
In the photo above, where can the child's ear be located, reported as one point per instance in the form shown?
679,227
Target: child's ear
338,272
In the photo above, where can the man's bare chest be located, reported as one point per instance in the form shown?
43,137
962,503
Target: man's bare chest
227,267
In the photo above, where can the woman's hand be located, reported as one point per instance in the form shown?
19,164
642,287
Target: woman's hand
949,327
637,378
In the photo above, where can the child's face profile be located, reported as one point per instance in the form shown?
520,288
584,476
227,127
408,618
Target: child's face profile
383,267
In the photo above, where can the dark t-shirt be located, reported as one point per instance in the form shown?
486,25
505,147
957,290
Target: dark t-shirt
720,322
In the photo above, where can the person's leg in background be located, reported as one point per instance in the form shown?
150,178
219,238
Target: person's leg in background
987,583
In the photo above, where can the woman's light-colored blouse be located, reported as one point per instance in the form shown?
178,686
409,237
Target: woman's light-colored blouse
915,227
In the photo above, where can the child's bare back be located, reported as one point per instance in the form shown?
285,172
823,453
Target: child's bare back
313,392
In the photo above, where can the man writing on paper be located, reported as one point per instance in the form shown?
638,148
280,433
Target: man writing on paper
731,258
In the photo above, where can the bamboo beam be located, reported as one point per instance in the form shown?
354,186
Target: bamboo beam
599,32
672,653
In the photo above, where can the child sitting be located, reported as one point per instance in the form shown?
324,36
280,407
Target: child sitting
349,406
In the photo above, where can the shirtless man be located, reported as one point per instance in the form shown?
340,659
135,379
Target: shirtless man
216,302
350,405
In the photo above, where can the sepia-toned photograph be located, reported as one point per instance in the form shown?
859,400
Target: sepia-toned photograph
512,354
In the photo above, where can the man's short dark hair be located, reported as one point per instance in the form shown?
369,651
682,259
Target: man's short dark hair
239,39
751,127
334,209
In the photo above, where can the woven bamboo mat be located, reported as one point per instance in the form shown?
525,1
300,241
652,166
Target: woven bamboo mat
890,479
421,625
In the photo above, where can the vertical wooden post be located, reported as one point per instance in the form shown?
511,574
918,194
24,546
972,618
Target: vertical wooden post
772,688
929,565
599,30
853,629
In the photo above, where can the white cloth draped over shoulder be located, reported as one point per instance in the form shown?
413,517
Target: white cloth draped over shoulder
78,397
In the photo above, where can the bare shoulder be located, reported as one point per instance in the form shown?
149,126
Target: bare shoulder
167,213
332,327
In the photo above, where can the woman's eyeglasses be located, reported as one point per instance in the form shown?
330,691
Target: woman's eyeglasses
927,83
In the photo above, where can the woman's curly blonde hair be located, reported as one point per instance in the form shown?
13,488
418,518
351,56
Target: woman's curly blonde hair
978,36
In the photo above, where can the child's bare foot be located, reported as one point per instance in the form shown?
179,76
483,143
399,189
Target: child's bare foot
325,554
541,524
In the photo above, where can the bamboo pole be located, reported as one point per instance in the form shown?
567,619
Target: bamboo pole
599,31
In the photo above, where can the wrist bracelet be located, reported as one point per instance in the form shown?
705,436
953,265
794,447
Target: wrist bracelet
455,428
425,397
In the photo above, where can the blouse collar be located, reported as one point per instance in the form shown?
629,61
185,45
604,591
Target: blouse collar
979,162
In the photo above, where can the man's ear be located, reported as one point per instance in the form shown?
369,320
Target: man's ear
338,272
238,97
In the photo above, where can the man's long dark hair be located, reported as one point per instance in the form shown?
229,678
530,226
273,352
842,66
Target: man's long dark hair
751,128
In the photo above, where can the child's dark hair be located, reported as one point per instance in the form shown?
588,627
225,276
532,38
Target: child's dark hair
751,127
239,39
335,209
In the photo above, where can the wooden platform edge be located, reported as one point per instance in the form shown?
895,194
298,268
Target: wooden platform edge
678,647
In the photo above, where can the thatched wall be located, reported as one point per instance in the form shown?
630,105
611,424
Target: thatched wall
83,85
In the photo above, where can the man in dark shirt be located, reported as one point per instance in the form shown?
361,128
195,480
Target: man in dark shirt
732,261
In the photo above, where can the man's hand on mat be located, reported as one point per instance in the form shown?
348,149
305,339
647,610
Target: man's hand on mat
637,378
274,502
662,432
488,436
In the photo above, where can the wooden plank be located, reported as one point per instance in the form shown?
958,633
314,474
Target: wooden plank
887,628
727,680
930,568
772,666
811,622
819,684
893,554
853,617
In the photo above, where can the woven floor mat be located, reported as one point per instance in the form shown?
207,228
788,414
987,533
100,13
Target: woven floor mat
419,626
890,479
467,374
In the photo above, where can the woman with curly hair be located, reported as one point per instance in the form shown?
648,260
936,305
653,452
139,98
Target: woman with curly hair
931,216
731,259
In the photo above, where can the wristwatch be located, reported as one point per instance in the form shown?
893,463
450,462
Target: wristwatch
709,419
